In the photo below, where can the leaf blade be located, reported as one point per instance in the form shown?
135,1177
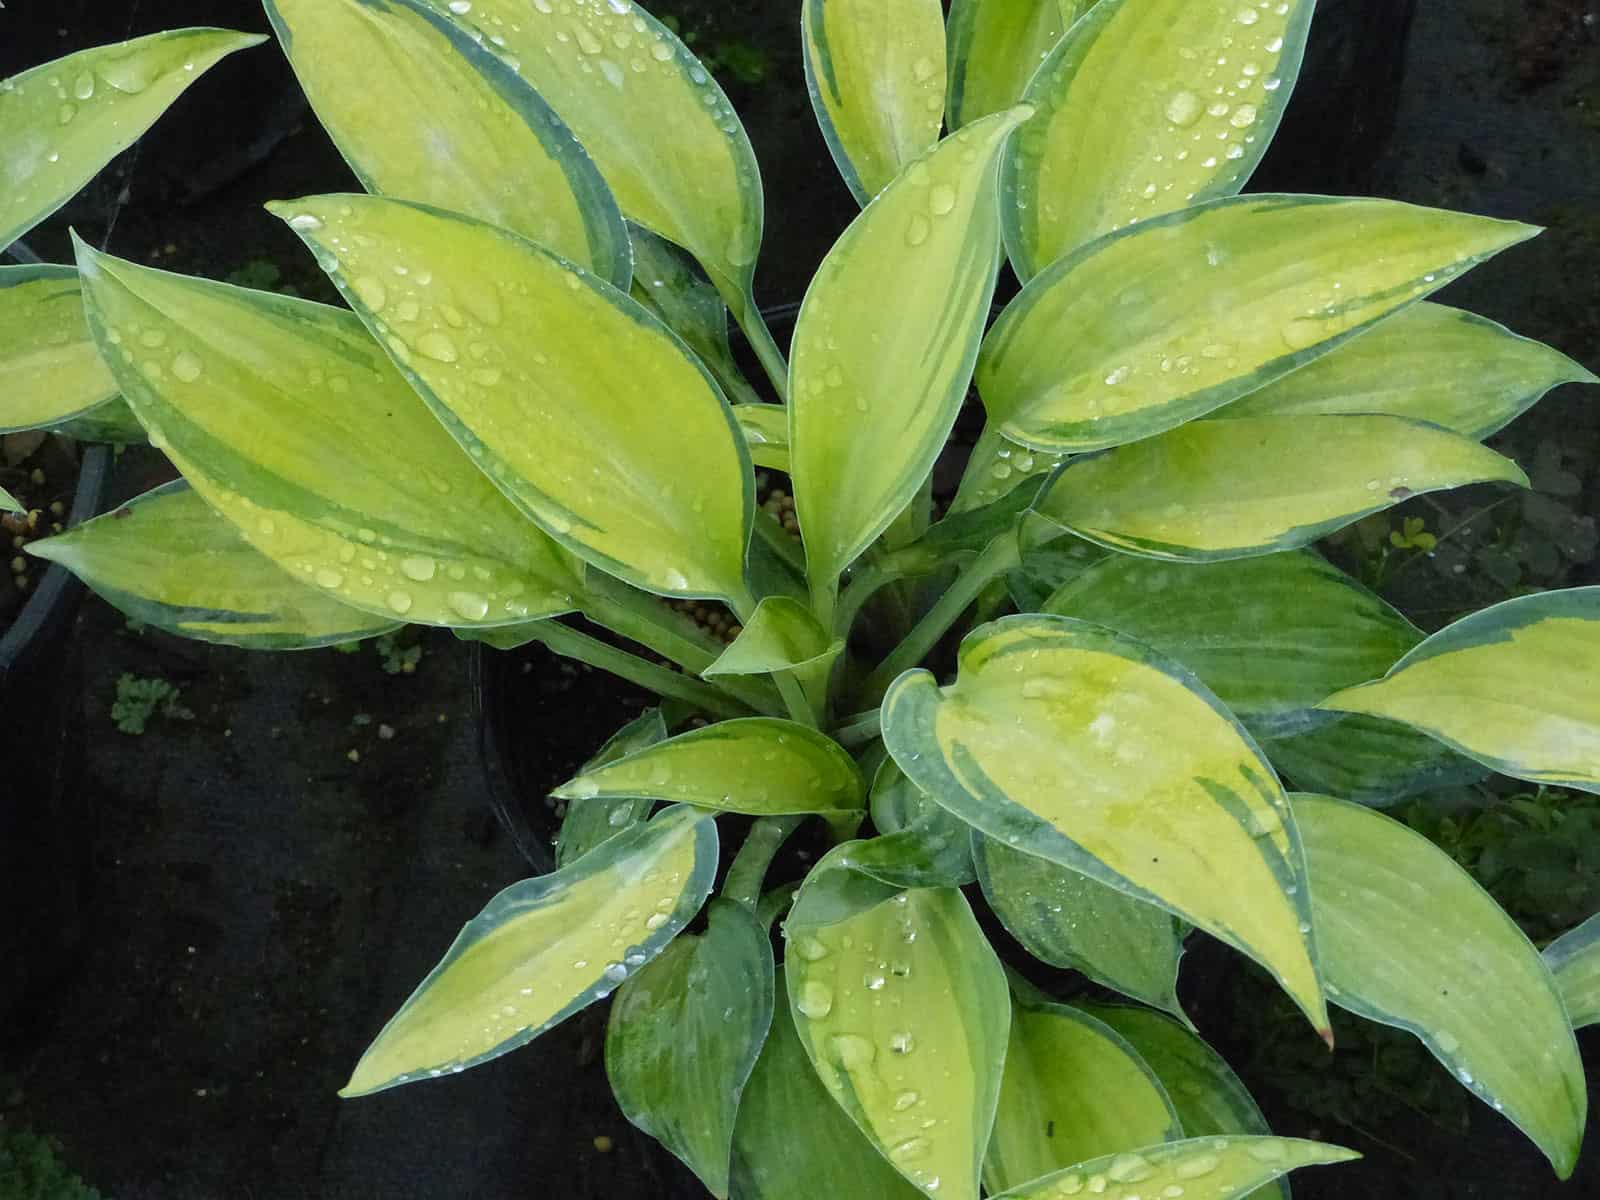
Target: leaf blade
995,47
50,370
1574,959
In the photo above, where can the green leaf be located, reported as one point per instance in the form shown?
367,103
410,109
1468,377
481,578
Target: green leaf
588,824
291,423
1233,489
757,765
792,1142
875,70
546,948
656,124
1272,636
63,121
1429,363
112,421
1076,922
1409,939
1370,761
667,282
167,560
1516,686
781,635
996,46
50,370
875,388
903,1010
1205,1168
1046,569
1250,288
1146,108
584,409
1574,957
766,433
684,1035
919,844
1075,744
423,111
1074,1090
9,503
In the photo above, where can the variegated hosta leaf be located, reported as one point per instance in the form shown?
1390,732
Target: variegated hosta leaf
1429,363
1215,490
1272,636
1516,687
1046,569
782,634
667,282
903,1009
50,370
1368,760
1214,1168
1073,921
875,387
423,111
1074,1090
997,468
546,948
583,408
766,433
1073,743
758,765
875,70
996,46
656,124
792,1142
167,560
684,1035
919,844
1148,106
588,824
1204,1090
9,503
290,422
1408,938
1183,314
63,121
112,421
1574,957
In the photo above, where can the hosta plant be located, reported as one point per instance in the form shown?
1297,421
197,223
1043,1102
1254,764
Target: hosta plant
528,426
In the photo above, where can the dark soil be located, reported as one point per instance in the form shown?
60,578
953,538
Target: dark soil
41,472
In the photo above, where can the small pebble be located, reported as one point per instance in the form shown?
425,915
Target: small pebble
603,1144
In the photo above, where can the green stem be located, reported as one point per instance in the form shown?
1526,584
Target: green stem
774,903
749,869
794,697
860,729
873,576
570,643
761,341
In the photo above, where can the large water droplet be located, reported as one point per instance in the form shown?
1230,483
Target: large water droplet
917,230
1197,1167
419,567
187,366
906,1100
1270,1151
437,346
902,1043
911,1149
1129,1168
1448,1042
815,999
469,604
853,1052
327,577
83,86
1184,108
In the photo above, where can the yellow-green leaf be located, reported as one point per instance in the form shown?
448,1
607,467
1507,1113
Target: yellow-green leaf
656,124
755,765
668,283
1147,107
1074,1090
903,1009
1574,957
875,388
1516,686
63,121
1070,920
584,409
1214,1168
1180,315
875,70
423,111
586,825
1076,744
1429,363
782,634
1408,938
1368,760
9,503
50,370
766,434
996,46
545,948
1234,489
291,423
112,421
165,559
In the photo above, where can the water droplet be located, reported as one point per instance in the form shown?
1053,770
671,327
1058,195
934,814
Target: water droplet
305,222
902,1043
1248,16
815,1000
1270,1151
810,949
661,52
655,920
1184,108
67,111
1117,376
486,376
437,346
1448,1043
419,567
327,577
187,367
461,7
469,604
906,1100
917,230
911,1149
1197,1167
614,972
588,43
1129,1168
1243,117
83,86
853,1052
1070,1185
941,199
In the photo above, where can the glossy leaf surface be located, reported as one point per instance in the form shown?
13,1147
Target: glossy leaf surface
1408,938
1148,106
1149,327
875,388
9,503
1369,760
1428,363
50,370
758,765
1574,957
165,559
1075,744
1205,1168
545,948
1516,686
684,1035
667,282
582,407
422,111
1234,489
996,46
588,824
782,634
766,433
63,121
